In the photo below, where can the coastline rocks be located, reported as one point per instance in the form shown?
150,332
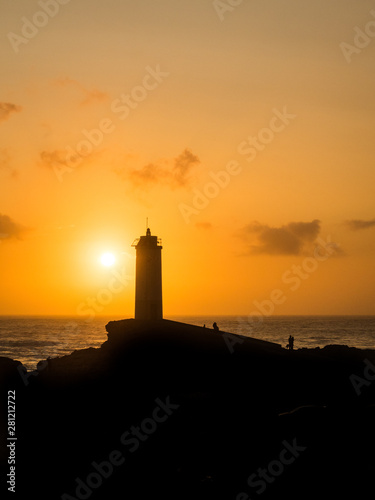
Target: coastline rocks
177,411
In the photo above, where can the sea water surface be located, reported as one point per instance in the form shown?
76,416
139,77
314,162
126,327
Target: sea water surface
30,339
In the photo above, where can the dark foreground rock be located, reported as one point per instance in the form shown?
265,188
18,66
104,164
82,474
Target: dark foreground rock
173,411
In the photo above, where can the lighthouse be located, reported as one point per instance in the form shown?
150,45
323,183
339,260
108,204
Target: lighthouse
148,289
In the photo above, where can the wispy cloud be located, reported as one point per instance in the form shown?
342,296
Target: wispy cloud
5,164
174,173
358,224
6,109
203,225
151,173
90,96
294,238
61,161
9,229
182,167
53,159
4,159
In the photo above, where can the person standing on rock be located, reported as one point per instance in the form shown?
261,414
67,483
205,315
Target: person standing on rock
290,345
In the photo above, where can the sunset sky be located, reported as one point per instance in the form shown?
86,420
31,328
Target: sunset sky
244,131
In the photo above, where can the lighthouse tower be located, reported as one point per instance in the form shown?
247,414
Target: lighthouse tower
148,291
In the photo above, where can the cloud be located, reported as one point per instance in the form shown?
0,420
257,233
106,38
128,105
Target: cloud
9,229
291,239
183,165
203,225
6,109
55,158
4,164
175,173
92,95
358,225
61,162
4,159
148,174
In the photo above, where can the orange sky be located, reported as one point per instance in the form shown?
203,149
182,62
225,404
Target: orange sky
244,133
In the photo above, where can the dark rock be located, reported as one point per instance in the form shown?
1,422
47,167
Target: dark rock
233,403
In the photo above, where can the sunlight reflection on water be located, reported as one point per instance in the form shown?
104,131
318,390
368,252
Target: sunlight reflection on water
31,339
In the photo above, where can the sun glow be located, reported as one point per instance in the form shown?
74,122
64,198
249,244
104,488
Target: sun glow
107,259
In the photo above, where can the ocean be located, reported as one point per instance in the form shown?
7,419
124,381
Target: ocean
32,339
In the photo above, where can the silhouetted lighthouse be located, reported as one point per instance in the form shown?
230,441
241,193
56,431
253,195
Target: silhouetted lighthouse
148,291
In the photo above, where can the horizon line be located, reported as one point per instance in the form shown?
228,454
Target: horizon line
239,316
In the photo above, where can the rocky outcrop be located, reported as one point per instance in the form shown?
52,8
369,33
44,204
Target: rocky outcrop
169,410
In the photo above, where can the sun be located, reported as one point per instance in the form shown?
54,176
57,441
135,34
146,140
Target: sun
107,259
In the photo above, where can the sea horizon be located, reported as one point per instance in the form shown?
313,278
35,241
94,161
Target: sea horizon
32,338
190,315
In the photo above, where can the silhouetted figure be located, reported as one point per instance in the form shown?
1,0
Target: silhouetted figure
290,345
215,327
204,326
